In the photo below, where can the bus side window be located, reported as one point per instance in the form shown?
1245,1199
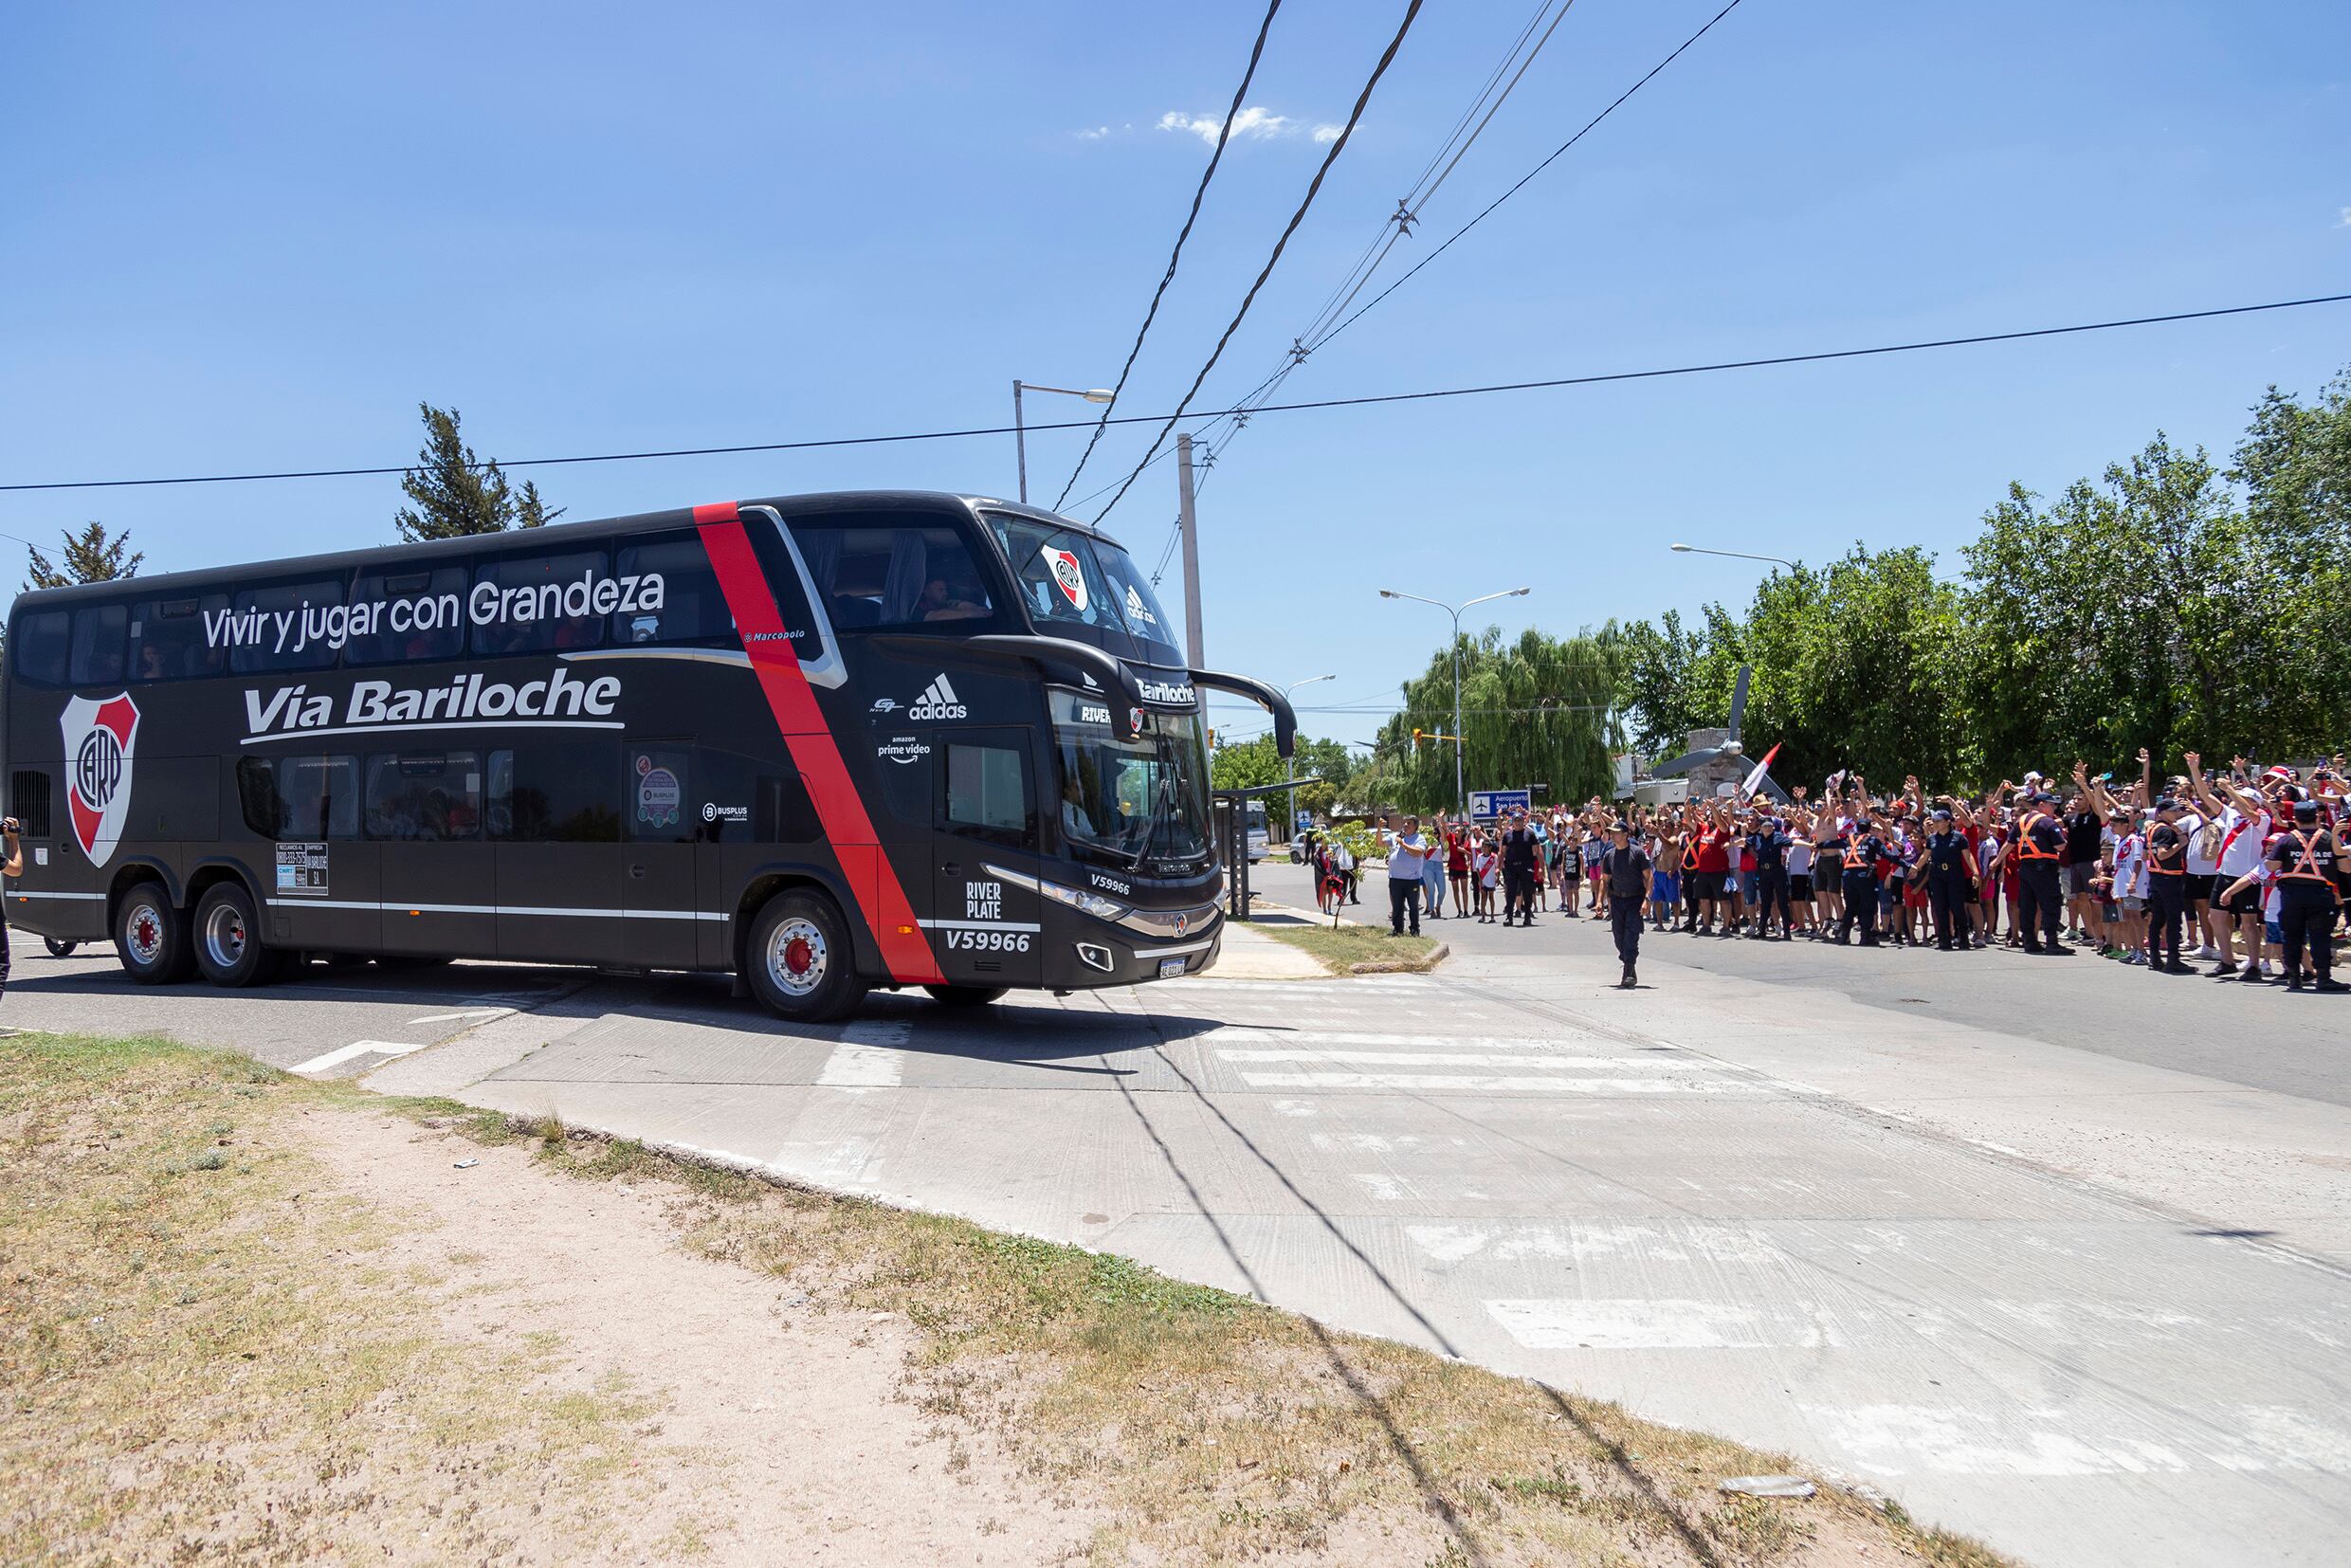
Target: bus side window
422,616
738,799
169,640
988,793
318,798
101,635
675,595
562,793
524,597
425,797
902,571
287,631
39,644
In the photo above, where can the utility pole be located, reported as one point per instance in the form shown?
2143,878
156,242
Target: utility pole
1020,442
1190,528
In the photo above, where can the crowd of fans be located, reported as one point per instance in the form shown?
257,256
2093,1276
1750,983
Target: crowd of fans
2238,868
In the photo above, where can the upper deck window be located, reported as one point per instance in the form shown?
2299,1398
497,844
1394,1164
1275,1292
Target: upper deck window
669,594
530,604
287,626
173,639
39,644
413,615
100,640
1067,577
905,574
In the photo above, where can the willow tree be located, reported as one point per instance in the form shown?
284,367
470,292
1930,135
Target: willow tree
1535,711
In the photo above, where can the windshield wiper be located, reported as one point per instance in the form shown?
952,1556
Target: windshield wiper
1162,798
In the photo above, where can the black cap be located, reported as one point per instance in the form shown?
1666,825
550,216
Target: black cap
1942,813
1620,826
2165,803
2305,813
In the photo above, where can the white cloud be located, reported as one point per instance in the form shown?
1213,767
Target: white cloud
1252,122
2344,221
1330,133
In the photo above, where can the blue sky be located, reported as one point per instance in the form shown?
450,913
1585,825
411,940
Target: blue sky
253,237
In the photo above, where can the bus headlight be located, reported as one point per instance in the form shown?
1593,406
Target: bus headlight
1083,901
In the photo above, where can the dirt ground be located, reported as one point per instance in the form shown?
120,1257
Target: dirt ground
778,1432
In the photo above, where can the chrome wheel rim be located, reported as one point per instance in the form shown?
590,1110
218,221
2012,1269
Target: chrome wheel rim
225,936
143,931
797,957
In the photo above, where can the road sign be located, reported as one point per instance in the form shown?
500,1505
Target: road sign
1306,820
1485,804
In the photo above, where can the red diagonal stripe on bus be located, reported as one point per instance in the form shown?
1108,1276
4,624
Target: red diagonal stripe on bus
886,908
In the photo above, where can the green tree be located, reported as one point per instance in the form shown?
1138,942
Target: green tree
457,493
1533,711
92,555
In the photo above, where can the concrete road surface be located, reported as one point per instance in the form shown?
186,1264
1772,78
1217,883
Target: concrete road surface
2086,1303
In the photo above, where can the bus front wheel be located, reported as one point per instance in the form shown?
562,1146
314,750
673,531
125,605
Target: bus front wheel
965,996
229,942
800,963
58,949
150,936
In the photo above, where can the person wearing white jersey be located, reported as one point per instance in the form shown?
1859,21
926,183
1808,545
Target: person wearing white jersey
2243,818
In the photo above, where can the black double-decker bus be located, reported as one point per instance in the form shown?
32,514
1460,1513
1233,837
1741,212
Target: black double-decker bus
824,742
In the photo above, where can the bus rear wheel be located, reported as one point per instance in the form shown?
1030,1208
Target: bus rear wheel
799,963
228,942
965,996
150,936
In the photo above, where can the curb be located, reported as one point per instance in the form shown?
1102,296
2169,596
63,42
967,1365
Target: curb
1438,954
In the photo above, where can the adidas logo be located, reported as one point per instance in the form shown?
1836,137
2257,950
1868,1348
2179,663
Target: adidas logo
1134,607
938,700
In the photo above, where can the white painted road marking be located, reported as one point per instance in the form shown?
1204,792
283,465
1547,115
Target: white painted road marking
870,1056
1464,1059
1642,1244
1483,1084
455,1017
336,1057
1642,1322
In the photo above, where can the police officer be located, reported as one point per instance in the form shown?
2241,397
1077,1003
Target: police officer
2040,908
1629,870
1768,846
1517,870
2307,857
2167,888
1950,881
1864,845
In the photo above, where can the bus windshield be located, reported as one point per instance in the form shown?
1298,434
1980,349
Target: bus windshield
1068,577
1131,803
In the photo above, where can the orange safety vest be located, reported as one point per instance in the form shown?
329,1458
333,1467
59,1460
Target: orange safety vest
2026,850
2307,868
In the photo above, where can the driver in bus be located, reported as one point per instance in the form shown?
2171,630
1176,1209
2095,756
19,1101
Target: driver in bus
1076,821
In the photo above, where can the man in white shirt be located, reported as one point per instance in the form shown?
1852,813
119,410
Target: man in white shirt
1407,855
2244,820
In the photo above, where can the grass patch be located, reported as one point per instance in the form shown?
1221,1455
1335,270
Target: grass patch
204,1357
1342,948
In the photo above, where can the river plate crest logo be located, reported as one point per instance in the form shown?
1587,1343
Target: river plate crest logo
102,740
1067,575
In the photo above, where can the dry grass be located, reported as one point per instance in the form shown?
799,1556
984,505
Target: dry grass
203,1359
1356,949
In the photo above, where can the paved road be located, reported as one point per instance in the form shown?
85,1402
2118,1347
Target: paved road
2260,1036
2096,1310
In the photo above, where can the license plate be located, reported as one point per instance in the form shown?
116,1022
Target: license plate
1169,968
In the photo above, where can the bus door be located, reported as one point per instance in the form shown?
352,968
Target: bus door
425,810
984,927
554,810
659,789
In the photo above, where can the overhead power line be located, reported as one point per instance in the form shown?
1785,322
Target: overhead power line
1256,52
1318,333
1337,146
1596,378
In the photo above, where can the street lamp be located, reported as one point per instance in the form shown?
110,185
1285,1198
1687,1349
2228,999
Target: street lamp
1739,555
1460,800
1020,437
1289,763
